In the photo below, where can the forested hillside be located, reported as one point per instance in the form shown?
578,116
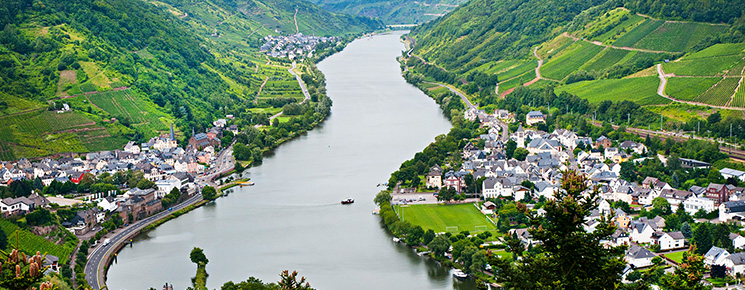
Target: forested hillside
392,12
128,68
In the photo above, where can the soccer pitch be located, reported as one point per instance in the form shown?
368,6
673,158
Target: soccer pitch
443,218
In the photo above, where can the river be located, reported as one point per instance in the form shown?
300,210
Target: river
292,219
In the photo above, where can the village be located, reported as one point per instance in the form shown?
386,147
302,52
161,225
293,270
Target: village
548,154
160,164
293,46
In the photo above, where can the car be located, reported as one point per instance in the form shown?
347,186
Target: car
170,208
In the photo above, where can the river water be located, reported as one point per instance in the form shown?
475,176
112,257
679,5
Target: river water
292,218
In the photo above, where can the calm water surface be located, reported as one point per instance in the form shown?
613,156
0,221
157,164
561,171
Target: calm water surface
292,219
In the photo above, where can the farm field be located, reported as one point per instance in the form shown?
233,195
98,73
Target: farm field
688,88
518,70
141,113
549,49
30,243
642,91
739,99
720,94
608,58
577,55
706,66
524,78
638,32
438,217
617,31
678,36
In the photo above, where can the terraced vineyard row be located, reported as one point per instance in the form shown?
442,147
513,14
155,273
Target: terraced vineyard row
30,243
719,94
739,99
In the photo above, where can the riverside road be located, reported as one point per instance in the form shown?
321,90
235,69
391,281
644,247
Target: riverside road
95,269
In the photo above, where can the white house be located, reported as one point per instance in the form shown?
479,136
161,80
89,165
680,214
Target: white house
735,263
108,204
11,206
693,204
715,256
732,210
641,232
496,187
166,185
672,240
737,241
639,257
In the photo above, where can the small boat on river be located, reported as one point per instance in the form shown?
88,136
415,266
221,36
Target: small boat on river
458,273
347,201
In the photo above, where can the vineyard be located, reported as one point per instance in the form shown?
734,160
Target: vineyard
642,91
637,33
141,113
561,66
521,69
720,94
739,99
689,88
678,36
30,243
524,78
610,57
706,66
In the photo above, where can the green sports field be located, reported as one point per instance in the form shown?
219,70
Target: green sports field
439,217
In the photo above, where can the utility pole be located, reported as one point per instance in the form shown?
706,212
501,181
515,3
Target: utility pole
698,128
629,117
660,122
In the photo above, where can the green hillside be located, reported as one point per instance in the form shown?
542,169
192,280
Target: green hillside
392,12
596,50
128,68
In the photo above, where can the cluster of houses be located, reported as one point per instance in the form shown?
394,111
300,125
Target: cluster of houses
293,46
551,153
160,159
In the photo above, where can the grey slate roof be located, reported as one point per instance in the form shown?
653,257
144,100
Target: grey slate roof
638,252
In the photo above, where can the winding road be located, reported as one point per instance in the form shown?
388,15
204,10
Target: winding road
95,269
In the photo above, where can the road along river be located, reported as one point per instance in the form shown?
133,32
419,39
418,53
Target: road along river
292,218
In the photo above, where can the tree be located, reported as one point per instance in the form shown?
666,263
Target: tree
428,236
19,272
510,148
439,245
382,197
3,240
702,238
415,235
520,154
198,257
627,171
39,217
660,207
573,258
685,229
446,194
145,184
289,281
688,275
209,193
